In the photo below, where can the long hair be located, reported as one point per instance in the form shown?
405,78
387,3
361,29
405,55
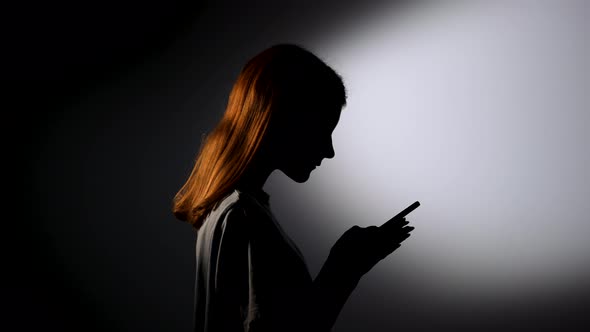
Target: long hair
267,84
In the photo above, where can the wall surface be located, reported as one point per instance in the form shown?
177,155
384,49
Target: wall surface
479,110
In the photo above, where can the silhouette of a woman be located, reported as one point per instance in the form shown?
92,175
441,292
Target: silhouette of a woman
250,276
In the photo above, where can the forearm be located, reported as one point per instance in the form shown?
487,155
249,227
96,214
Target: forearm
314,310
331,289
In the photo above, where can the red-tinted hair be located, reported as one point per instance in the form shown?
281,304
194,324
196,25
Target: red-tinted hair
267,84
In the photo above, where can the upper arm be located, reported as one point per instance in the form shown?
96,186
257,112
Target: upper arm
233,245
245,280
253,279
232,267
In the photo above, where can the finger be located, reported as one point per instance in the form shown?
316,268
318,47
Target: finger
395,232
394,223
394,220
400,237
404,213
404,237
403,228
407,228
397,239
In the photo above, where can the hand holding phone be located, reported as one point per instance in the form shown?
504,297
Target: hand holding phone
360,248
396,220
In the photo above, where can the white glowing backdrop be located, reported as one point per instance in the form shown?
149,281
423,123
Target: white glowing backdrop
480,111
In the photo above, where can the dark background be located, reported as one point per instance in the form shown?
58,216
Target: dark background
109,100
96,95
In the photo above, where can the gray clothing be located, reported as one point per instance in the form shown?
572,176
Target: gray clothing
250,276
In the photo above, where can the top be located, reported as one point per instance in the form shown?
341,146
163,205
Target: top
250,275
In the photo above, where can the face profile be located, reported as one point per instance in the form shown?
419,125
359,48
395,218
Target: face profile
305,140
304,151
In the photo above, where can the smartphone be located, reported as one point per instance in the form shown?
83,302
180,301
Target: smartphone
402,214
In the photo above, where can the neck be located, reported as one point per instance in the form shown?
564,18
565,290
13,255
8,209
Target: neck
255,176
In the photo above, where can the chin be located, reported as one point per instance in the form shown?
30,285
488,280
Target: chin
299,176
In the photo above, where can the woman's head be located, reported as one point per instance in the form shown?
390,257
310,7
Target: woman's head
284,105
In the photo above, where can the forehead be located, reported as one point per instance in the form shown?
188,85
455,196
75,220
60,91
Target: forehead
324,117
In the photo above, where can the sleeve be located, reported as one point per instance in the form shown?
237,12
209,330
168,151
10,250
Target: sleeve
251,295
244,282
231,274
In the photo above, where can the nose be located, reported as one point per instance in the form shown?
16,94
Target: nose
330,151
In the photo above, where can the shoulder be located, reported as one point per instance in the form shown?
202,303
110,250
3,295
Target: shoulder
237,210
